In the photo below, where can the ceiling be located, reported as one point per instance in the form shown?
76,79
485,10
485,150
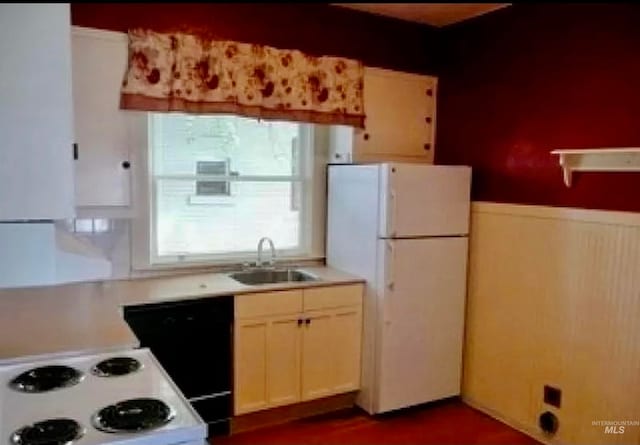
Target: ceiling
435,14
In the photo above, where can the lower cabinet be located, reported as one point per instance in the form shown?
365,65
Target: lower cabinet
293,346
266,347
331,352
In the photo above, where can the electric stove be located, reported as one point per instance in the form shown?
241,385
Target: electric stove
123,398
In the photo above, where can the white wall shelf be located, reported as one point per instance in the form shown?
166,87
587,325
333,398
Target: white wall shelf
598,160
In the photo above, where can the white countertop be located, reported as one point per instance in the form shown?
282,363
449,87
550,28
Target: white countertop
87,317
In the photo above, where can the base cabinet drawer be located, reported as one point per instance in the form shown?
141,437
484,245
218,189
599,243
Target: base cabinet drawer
332,297
266,304
284,359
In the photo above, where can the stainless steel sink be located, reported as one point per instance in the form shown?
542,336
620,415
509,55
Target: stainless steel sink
268,276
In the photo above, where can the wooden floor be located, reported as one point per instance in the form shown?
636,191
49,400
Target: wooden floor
448,422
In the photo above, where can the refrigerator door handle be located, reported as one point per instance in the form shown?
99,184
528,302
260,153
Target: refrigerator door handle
390,274
393,199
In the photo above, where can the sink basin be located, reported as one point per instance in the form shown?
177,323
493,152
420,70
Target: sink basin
268,276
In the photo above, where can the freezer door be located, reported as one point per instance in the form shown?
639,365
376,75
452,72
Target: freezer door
424,200
352,224
420,330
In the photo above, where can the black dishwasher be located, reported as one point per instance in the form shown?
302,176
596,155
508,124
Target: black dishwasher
192,340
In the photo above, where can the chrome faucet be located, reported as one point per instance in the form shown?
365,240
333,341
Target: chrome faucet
272,262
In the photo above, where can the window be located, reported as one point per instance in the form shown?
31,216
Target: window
212,188
219,183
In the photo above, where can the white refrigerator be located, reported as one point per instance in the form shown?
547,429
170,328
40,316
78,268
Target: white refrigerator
404,228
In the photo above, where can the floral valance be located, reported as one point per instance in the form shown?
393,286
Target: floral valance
184,72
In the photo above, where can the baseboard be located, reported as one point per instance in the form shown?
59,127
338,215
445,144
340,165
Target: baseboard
284,414
510,422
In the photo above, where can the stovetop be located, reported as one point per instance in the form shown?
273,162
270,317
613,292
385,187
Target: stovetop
133,386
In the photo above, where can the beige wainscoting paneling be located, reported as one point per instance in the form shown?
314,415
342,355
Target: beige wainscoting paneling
554,298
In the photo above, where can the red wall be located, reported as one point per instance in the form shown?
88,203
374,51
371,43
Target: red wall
520,82
315,28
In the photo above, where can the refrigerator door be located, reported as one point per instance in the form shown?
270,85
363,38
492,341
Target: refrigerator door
352,243
424,200
420,328
352,212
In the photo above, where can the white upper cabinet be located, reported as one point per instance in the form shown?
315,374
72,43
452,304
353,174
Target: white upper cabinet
36,126
400,123
103,163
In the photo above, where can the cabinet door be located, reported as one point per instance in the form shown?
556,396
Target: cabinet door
99,64
400,110
283,361
36,127
346,350
267,363
318,346
250,365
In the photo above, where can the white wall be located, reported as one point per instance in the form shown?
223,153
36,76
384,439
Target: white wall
39,253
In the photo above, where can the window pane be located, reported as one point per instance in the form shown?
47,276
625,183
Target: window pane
190,224
211,188
252,147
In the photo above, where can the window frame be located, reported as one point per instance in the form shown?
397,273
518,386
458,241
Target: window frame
144,251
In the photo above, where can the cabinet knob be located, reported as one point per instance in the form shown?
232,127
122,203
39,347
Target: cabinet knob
299,322
429,92
307,321
126,165
427,119
427,146
366,136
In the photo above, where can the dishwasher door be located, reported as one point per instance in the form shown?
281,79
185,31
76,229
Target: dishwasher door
192,340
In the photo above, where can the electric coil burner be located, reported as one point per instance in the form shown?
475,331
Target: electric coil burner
49,432
150,408
46,378
116,366
133,415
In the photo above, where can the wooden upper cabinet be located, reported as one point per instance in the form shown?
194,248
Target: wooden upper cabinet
103,166
400,109
400,123
36,126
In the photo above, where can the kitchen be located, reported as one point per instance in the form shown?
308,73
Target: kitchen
552,293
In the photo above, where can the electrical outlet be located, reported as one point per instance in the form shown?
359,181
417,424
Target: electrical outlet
552,396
